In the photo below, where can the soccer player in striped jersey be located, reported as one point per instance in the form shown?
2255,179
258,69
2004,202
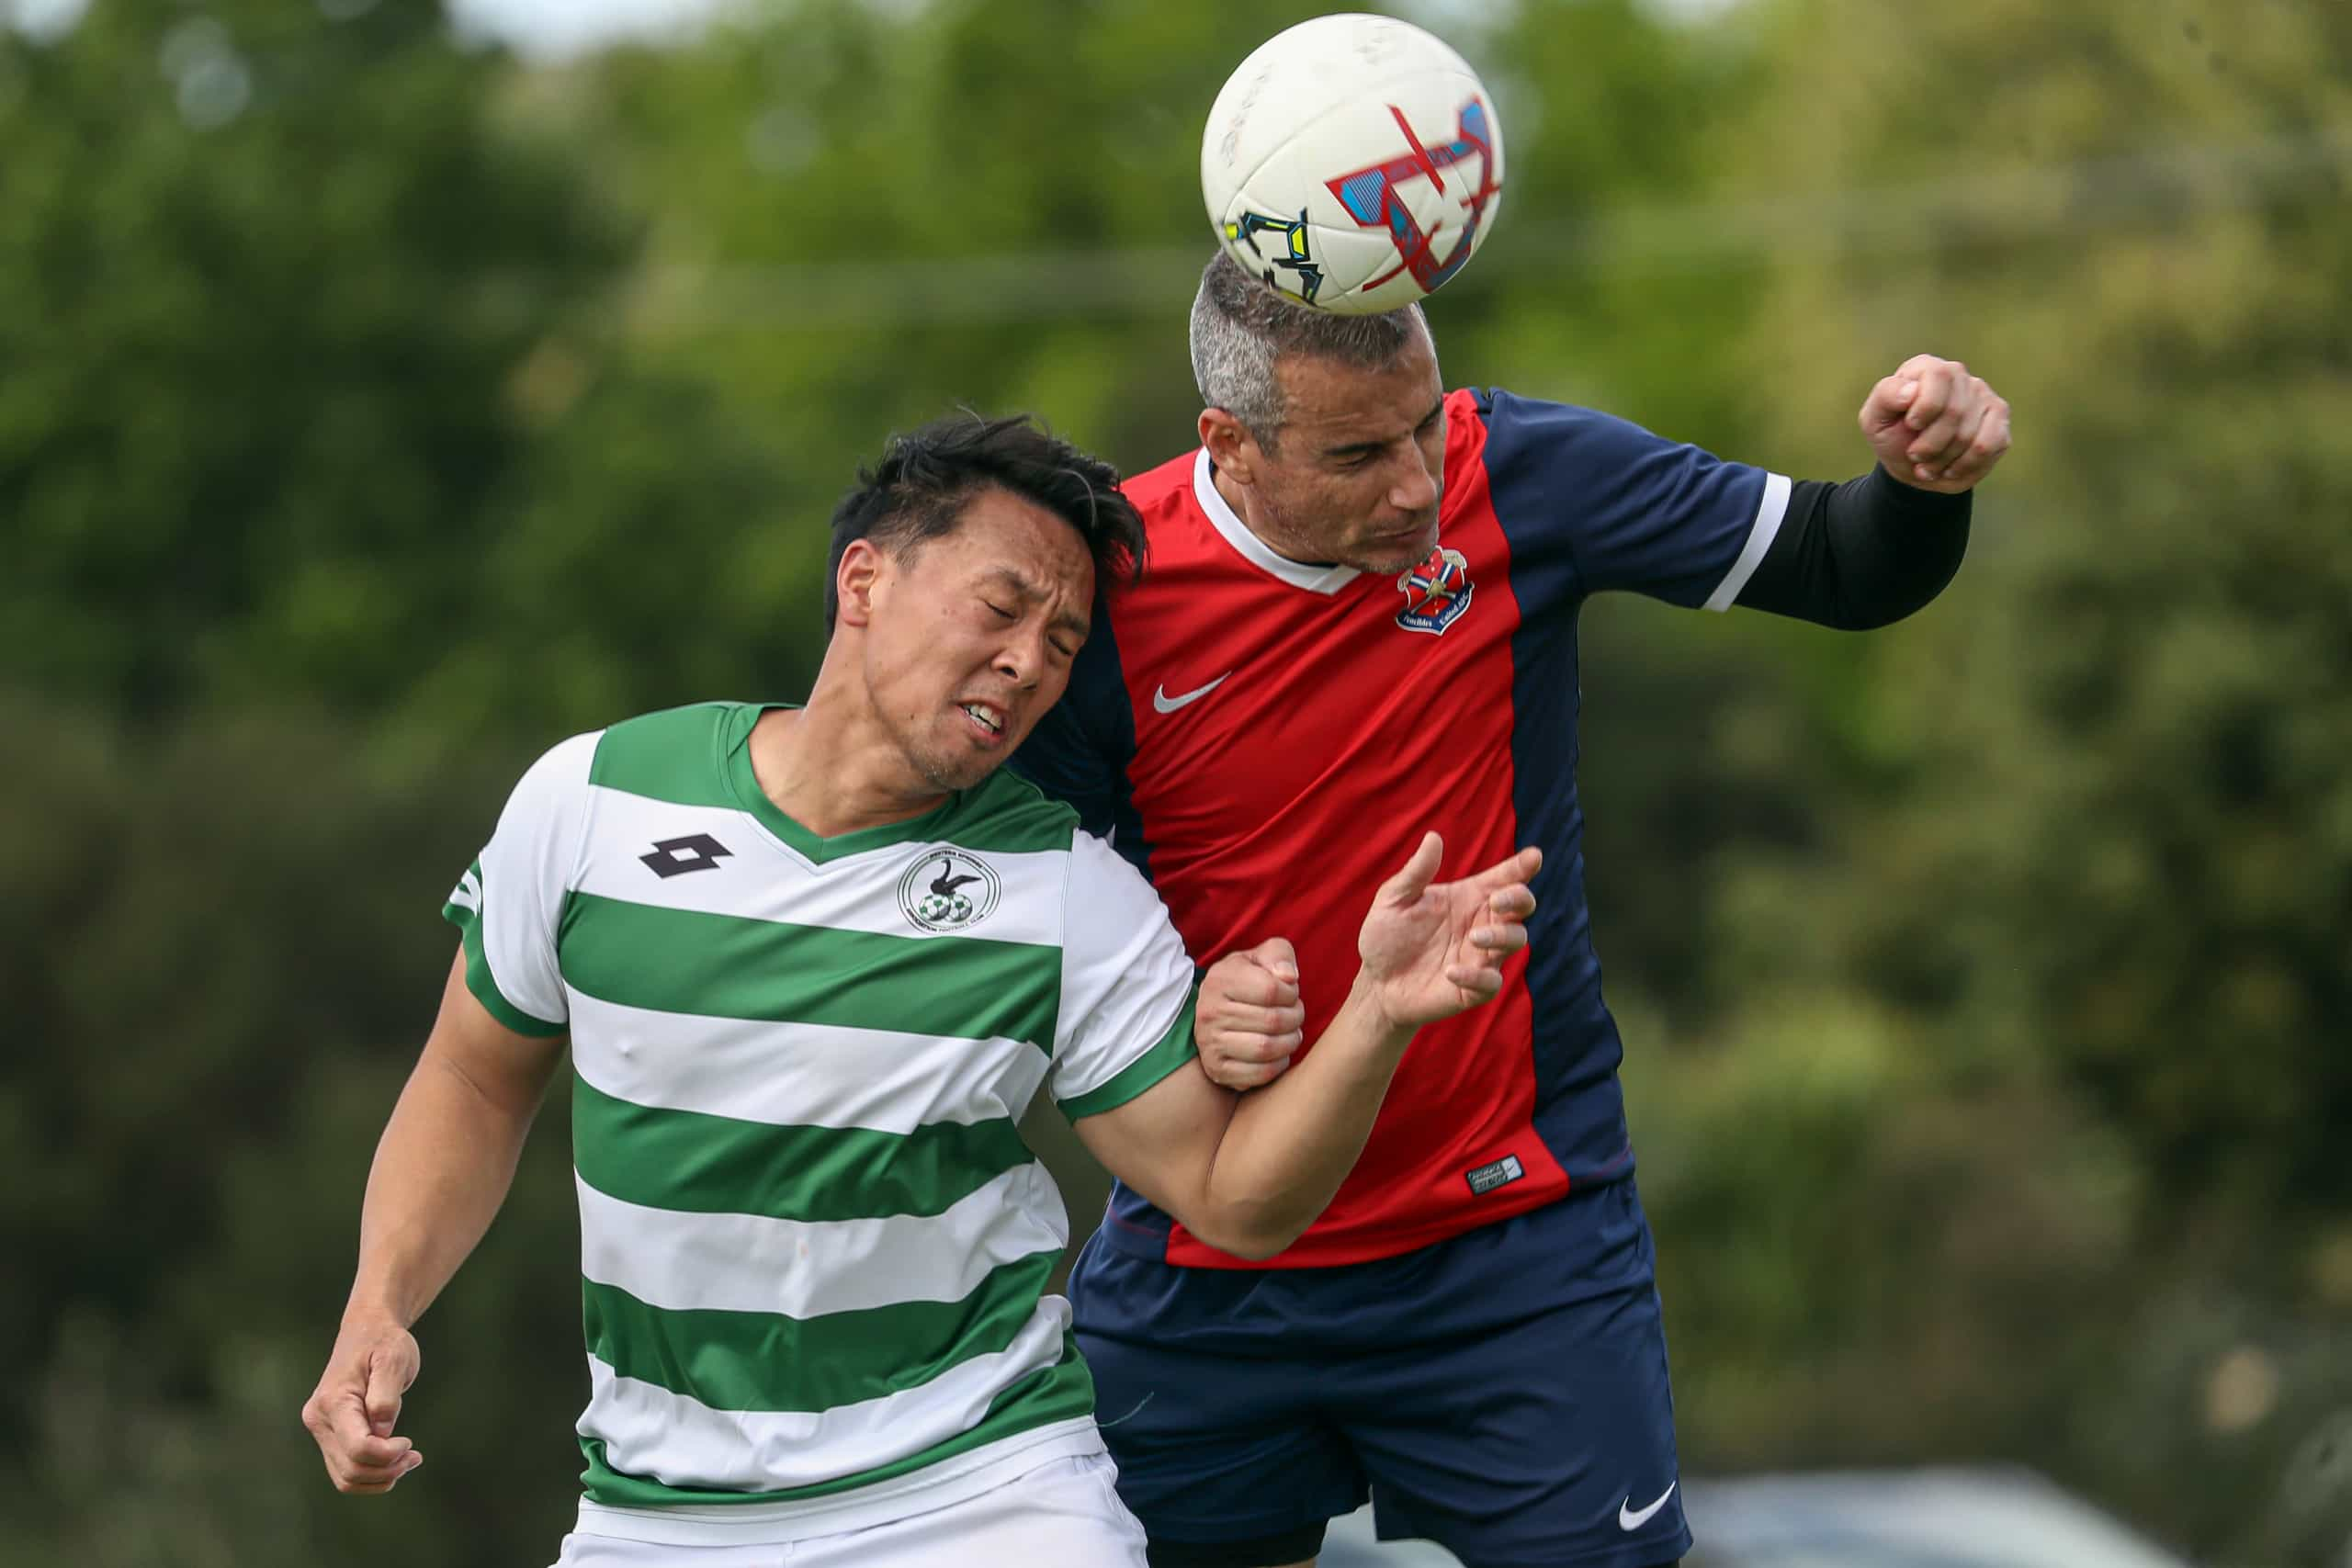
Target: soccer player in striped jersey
812,963
1365,591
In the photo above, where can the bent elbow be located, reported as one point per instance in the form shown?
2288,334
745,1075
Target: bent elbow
1258,1246
1249,1246
1873,614
1238,1235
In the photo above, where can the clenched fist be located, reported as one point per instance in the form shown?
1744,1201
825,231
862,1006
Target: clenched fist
1249,1020
1935,426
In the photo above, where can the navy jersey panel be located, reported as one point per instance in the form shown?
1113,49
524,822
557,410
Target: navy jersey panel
1079,750
1579,1106
1589,501
1592,502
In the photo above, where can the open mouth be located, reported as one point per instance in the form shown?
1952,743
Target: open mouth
988,720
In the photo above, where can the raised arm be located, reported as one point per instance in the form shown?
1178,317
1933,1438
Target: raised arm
1248,1175
1872,551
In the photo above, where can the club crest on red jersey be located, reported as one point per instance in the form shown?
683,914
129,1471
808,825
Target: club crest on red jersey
1436,592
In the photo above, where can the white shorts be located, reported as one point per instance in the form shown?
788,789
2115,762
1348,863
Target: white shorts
1063,1514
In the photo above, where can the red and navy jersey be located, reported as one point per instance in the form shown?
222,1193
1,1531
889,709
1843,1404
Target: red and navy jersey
1268,741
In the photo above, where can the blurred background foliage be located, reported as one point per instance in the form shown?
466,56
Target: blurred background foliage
376,409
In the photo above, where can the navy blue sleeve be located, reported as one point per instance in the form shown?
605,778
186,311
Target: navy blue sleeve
1592,502
1079,751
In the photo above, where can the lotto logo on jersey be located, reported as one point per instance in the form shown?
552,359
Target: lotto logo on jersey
1436,593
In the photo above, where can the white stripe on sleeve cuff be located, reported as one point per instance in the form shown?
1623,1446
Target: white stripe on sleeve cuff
1769,513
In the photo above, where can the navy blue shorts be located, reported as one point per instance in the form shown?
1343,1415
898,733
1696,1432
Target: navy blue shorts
1502,1393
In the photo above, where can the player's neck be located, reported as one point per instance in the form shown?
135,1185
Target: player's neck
1238,497
830,768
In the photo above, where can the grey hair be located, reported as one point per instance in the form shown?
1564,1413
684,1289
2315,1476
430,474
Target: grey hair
1242,326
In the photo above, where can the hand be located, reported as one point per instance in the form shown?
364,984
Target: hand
1431,950
352,1411
1934,426
1249,1020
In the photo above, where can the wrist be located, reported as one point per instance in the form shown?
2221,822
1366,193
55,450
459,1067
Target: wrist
373,1310
1370,1010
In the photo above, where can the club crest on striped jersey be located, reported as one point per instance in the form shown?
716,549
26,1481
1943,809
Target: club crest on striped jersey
1436,592
948,889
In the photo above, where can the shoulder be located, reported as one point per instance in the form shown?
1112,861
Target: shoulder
1514,425
1008,814
669,725
1543,455
563,769
547,804
1166,498
1180,542
1532,449
673,755
1169,486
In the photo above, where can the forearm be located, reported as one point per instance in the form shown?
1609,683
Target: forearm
1290,1145
442,1169
1861,554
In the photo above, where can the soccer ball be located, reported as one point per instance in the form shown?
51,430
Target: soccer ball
943,909
1352,162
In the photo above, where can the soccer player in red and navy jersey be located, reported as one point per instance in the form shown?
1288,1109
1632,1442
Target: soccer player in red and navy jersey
1362,588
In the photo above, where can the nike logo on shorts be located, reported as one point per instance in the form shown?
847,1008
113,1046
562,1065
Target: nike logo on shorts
1632,1518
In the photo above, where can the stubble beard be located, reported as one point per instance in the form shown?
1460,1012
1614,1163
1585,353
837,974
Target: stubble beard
938,766
1282,518
1420,551
948,773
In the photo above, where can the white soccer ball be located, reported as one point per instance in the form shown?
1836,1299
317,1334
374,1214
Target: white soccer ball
1354,162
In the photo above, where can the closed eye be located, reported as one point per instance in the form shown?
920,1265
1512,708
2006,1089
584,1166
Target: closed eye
999,610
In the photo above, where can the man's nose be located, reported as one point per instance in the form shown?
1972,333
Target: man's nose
1022,657
1417,485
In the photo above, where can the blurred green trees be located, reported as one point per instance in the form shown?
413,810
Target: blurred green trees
227,962
373,412
2088,875
313,389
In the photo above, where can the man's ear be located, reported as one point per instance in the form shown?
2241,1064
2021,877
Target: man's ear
856,580
1232,447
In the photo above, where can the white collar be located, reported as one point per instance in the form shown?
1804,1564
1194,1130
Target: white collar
1324,580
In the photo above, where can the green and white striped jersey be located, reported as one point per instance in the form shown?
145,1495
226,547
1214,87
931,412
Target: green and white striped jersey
813,1246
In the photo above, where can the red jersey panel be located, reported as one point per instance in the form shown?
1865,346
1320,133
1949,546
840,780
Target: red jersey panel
1333,752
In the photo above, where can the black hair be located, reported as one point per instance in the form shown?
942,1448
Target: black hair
928,476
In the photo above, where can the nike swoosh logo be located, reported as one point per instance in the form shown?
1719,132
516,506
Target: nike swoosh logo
1166,704
1632,1518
